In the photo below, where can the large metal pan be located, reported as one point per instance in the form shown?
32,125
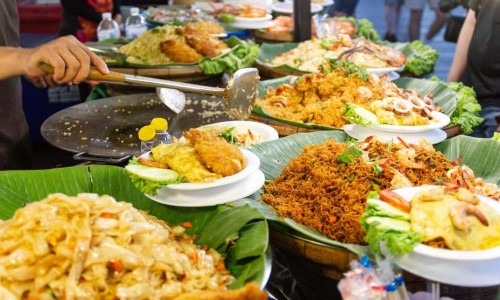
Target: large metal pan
106,130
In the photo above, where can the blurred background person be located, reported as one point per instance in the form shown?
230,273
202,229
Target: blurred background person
343,8
392,11
477,61
416,12
81,17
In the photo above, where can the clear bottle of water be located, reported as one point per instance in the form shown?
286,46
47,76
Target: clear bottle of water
108,28
135,25
162,137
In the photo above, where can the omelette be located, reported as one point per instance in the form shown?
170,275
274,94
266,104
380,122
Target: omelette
182,158
432,219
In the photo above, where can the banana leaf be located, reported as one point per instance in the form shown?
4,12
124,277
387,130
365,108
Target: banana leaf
217,226
268,52
481,155
443,97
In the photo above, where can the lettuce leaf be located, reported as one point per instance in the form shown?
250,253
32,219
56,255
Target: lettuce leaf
242,55
398,242
467,112
420,58
365,29
356,114
496,137
148,186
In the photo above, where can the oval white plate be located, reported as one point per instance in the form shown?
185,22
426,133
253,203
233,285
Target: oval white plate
266,132
262,19
252,162
212,196
287,8
359,132
252,25
440,120
382,71
462,268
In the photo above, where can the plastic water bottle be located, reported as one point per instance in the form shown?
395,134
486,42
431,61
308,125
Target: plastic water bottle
108,28
162,137
135,25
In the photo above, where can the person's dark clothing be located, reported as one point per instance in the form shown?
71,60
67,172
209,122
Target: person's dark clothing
345,7
483,58
15,142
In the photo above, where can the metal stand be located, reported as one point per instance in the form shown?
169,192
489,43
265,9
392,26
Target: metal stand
302,20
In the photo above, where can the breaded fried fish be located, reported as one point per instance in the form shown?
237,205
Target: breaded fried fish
216,153
179,51
206,45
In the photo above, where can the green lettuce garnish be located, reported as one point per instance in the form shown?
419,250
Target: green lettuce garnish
420,58
242,55
356,114
349,155
467,112
496,136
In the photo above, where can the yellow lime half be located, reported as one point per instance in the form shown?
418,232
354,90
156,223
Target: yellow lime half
159,124
147,133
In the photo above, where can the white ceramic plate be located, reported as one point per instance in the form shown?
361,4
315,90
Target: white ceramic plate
266,132
440,121
219,35
252,25
382,71
252,162
251,20
462,268
360,133
211,196
287,7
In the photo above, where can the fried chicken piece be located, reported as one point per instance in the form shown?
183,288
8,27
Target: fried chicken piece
179,51
200,28
249,292
216,153
206,45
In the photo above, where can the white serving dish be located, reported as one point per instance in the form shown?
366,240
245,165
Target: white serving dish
359,132
211,196
440,121
266,132
461,268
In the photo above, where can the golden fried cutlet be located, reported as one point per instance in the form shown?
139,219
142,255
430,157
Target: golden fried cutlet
200,28
206,45
179,51
216,154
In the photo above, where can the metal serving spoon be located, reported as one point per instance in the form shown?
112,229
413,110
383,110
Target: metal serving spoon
239,94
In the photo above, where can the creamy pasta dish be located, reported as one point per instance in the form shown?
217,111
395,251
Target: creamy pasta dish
93,247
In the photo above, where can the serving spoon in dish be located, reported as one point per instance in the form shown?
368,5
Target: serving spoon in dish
239,94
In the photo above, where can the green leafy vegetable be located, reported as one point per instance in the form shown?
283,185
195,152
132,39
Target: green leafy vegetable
420,58
346,67
242,55
149,179
365,29
377,169
467,112
228,135
227,18
356,114
349,155
496,137
398,242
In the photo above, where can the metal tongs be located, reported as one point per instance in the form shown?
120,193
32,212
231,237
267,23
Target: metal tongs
239,94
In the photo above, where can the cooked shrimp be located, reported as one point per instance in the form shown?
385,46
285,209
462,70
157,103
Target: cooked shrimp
466,196
399,180
459,212
365,92
407,158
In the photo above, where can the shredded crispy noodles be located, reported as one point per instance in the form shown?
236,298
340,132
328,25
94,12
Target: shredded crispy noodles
317,190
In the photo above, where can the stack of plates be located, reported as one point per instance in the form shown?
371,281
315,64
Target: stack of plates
226,189
412,134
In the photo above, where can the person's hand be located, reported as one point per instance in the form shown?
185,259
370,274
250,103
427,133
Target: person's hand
42,82
70,59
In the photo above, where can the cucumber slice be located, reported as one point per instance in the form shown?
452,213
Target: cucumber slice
152,174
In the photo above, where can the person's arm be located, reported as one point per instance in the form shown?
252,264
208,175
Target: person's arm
460,59
70,58
82,9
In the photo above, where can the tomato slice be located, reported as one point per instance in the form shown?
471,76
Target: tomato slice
395,200
151,163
